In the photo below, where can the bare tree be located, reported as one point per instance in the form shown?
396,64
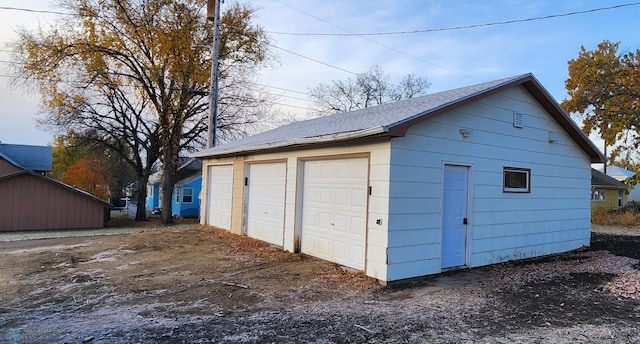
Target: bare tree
122,73
372,87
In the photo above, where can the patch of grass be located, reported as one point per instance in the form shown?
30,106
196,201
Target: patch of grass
623,217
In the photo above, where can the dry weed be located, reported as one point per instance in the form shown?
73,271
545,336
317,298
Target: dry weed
606,217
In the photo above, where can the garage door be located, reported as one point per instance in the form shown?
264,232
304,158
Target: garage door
219,195
265,204
334,210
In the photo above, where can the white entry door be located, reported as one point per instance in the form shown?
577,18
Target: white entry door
454,216
266,200
219,196
334,210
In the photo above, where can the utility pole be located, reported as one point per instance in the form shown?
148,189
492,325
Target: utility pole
215,72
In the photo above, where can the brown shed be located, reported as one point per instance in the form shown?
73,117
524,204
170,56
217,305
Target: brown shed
31,201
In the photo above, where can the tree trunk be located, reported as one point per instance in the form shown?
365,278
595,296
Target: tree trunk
141,213
168,173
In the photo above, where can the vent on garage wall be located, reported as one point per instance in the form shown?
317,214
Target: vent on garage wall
518,120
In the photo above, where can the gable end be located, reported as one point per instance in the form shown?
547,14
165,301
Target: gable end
530,83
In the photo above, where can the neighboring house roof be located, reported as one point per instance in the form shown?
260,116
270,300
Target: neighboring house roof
190,168
34,158
603,181
618,173
394,119
187,167
188,180
59,183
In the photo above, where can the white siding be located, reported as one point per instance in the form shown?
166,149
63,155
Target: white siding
554,217
376,236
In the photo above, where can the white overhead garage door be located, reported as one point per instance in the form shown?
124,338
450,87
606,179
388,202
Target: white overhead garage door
266,200
219,195
334,210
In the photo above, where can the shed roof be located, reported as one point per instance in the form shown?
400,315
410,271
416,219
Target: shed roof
34,158
393,120
56,182
601,180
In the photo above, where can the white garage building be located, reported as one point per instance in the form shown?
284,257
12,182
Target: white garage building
462,178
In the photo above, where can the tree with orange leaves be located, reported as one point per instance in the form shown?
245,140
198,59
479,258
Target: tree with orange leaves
90,175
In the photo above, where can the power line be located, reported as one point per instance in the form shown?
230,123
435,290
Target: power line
36,11
274,46
314,60
452,28
287,105
284,89
378,43
134,86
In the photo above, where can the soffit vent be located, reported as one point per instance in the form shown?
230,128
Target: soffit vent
518,120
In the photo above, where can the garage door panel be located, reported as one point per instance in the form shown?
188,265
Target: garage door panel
341,252
356,252
220,194
333,210
359,197
356,223
266,202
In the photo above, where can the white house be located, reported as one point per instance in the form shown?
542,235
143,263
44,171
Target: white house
463,178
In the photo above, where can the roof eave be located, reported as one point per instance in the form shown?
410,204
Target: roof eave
609,187
563,119
332,139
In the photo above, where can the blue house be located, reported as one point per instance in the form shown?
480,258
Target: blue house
184,201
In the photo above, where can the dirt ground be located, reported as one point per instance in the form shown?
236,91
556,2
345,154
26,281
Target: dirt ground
196,284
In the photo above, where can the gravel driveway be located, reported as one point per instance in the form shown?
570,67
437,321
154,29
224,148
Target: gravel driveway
193,284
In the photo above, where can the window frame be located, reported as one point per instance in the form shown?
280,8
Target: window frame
620,198
602,192
182,195
525,171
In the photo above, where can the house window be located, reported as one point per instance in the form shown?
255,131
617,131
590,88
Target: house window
598,195
516,180
187,195
176,192
620,198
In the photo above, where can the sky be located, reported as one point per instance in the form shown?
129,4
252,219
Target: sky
447,57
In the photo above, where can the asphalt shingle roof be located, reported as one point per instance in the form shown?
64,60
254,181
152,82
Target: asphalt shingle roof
384,118
33,158
602,180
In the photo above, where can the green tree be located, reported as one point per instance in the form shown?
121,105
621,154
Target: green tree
604,88
121,73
